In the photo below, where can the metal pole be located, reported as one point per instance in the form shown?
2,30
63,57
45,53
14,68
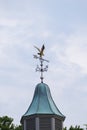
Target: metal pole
41,70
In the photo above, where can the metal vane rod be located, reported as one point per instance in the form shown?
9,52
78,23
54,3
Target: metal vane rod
41,68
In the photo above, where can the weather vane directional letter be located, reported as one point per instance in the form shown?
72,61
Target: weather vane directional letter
39,56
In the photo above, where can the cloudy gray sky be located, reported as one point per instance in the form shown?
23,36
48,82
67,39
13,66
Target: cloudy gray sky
62,26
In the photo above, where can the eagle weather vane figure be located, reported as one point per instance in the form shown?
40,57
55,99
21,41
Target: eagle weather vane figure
39,56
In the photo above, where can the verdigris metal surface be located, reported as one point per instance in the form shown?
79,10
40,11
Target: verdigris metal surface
42,102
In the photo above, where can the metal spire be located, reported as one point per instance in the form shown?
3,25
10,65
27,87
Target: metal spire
39,56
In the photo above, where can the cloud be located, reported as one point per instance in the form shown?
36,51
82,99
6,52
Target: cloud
71,50
77,50
34,23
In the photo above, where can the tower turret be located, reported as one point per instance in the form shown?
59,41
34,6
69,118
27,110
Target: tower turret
42,113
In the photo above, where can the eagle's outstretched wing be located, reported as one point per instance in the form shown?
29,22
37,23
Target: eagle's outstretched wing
43,47
40,50
37,48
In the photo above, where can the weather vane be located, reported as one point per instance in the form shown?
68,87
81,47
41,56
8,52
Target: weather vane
39,56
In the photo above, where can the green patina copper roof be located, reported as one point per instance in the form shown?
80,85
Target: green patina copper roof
42,102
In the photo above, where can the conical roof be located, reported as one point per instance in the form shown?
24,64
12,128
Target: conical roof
42,102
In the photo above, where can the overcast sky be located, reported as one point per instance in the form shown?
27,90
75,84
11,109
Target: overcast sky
61,25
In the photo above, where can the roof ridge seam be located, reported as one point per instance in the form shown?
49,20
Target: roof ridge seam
38,101
49,101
